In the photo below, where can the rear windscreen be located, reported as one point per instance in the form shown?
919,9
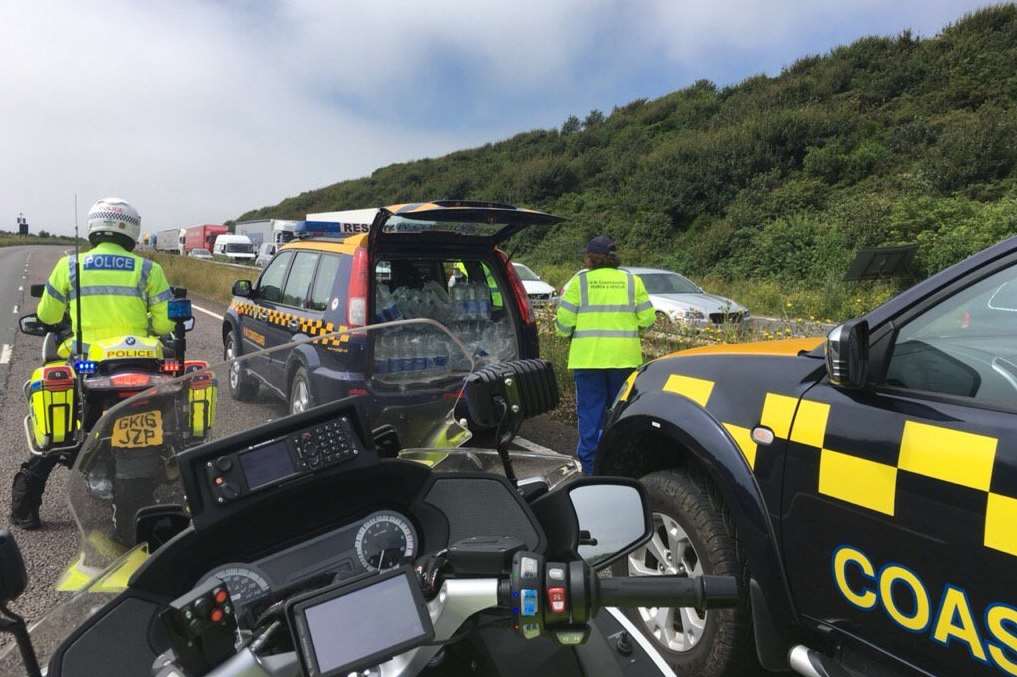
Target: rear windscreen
397,224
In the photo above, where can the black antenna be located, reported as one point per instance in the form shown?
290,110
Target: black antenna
77,280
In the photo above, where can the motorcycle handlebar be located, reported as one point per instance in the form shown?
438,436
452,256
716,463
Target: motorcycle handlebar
700,592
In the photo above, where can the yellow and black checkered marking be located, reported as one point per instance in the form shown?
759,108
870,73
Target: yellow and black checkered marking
956,457
296,323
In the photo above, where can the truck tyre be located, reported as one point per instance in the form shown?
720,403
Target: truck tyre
300,392
693,535
243,386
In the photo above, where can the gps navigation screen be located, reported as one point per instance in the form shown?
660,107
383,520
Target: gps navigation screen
369,621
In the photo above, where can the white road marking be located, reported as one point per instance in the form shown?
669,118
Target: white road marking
5,354
207,312
21,288
15,311
648,647
532,446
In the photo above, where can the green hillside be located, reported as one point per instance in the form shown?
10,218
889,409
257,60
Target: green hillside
887,140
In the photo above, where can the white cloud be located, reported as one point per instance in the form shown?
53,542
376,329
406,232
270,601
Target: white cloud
198,110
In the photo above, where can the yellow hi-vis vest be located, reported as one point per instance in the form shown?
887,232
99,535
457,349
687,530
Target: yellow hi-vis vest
122,294
603,311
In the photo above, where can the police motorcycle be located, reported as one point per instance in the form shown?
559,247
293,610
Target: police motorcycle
321,544
67,396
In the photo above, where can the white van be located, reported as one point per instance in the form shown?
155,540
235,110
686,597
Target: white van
237,248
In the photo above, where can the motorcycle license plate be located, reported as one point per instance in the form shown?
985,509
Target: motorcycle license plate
138,430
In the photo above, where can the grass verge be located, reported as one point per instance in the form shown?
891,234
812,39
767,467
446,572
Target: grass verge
203,278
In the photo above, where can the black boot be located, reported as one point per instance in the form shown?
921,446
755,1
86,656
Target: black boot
26,497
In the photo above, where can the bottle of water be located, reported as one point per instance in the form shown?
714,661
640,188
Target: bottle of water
483,302
404,352
467,302
388,350
419,356
385,302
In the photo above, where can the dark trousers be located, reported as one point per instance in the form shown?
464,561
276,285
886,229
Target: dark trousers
30,483
595,390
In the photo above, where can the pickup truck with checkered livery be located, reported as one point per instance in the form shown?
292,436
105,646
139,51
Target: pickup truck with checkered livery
863,486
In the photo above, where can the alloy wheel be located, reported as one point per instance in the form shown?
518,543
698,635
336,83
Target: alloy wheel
669,553
301,397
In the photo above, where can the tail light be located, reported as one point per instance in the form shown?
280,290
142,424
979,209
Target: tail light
57,378
356,310
195,365
130,380
170,366
356,392
518,290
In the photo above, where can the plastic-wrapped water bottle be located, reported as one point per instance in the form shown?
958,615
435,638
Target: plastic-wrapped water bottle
407,358
440,349
385,303
483,302
388,350
419,355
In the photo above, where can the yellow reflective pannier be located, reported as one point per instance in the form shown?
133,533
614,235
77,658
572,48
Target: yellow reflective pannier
50,393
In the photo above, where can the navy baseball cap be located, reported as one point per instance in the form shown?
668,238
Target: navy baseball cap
601,244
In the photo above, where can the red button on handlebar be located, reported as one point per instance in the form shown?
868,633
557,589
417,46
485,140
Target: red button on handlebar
556,600
220,596
216,615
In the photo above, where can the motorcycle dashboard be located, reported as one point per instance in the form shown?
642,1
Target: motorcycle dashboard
381,541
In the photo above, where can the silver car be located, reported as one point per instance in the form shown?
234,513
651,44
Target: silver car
679,299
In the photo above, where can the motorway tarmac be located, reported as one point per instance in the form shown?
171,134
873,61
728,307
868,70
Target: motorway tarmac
49,551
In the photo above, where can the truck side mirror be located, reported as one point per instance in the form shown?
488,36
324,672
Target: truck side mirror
243,289
13,577
847,354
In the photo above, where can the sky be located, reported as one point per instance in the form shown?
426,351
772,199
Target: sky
199,110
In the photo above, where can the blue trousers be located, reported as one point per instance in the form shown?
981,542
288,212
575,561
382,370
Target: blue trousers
595,390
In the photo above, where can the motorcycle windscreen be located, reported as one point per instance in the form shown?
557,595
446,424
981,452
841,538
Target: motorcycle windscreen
50,631
129,459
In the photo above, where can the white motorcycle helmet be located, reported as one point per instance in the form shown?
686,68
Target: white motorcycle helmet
115,216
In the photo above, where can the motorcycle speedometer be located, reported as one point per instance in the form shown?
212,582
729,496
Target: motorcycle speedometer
385,540
244,581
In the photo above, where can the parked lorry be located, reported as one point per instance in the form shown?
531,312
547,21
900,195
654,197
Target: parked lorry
863,486
272,231
202,237
170,240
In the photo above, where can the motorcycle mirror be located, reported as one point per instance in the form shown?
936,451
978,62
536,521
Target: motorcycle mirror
30,324
189,324
36,291
156,524
13,577
597,518
612,516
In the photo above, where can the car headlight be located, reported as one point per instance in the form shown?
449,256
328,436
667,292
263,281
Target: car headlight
692,314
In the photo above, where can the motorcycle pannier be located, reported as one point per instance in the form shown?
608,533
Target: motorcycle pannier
51,395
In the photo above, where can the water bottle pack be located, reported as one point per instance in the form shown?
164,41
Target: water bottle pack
412,352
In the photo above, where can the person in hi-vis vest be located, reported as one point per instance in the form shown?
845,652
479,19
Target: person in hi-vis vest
602,309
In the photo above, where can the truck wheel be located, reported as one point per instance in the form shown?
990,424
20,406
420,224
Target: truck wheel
300,392
243,387
693,536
